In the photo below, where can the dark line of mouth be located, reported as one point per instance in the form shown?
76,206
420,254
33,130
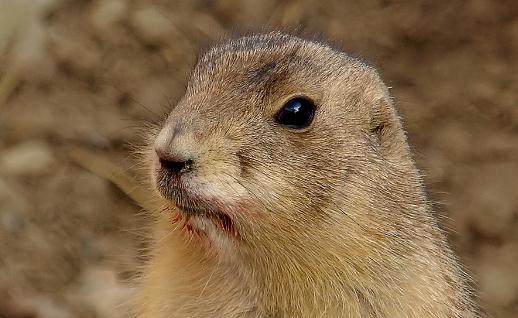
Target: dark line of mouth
222,220
191,210
188,208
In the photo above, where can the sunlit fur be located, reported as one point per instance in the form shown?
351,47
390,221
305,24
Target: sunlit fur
331,221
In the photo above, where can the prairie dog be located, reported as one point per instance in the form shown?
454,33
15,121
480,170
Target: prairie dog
289,190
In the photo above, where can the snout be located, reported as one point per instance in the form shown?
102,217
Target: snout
175,158
198,172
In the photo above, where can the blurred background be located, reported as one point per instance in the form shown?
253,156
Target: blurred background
86,73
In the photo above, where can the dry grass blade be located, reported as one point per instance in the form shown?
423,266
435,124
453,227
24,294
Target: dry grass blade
8,83
107,169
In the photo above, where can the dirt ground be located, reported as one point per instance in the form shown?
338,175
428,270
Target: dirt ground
87,73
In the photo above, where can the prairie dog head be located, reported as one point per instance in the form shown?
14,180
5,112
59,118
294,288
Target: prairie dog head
276,140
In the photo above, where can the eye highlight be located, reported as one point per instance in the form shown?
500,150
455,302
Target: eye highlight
296,113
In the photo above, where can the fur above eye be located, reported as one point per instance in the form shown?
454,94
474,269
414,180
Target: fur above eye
296,113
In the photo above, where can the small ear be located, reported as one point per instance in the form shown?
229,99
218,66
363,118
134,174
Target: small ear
377,126
381,121
386,128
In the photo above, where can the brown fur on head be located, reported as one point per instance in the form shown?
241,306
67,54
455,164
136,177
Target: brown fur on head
326,220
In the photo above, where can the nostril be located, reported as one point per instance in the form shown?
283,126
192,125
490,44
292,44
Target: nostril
173,163
176,167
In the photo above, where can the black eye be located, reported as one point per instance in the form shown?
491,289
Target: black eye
297,113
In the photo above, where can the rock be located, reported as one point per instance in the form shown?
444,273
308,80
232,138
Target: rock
152,25
48,308
512,35
207,25
5,193
15,304
11,221
10,309
15,15
100,289
31,158
12,210
23,39
106,13
490,201
30,54
81,56
453,141
498,284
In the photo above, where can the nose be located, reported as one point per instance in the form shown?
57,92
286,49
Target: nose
174,164
175,148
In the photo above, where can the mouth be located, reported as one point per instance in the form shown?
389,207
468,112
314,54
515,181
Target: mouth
191,213
187,216
193,207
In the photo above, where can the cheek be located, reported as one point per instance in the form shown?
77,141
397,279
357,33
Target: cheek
270,190
223,186
221,173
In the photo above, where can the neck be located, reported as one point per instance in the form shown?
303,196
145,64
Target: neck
391,261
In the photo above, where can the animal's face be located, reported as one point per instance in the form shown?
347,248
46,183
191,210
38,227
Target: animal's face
264,138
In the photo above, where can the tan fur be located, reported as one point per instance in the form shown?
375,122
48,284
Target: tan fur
332,221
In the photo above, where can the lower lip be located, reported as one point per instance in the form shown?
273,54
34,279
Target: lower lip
192,211
220,220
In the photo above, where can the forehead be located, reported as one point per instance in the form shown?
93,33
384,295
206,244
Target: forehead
260,63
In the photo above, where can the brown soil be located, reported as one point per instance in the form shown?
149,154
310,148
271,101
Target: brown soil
78,72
